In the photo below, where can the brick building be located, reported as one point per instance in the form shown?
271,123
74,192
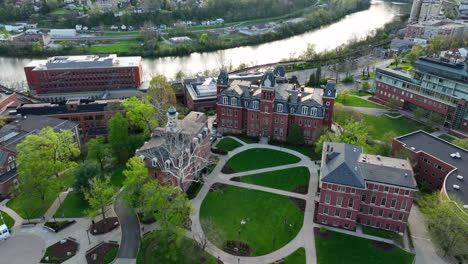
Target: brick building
82,74
8,175
437,163
92,115
437,85
28,38
185,142
271,108
358,188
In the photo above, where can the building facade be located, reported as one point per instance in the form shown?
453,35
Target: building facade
28,38
358,188
272,107
437,85
423,10
8,174
432,28
438,163
78,74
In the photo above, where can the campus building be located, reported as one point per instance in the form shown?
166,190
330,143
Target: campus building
271,107
431,28
83,74
440,164
185,142
358,188
437,85
92,115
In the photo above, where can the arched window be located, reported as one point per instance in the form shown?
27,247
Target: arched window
314,111
154,162
279,108
233,101
167,164
255,104
246,104
304,110
225,100
291,109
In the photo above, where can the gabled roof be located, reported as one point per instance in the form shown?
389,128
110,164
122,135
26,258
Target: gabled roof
268,80
329,90
279,71
223,78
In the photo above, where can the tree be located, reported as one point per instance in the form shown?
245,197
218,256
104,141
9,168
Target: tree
36,47
148,33
295,136
203,38
396,59
419,113
365,87
318,75
136,175
311,81
141,113
171,208
99,195
180,75
414,54
87,170
345,95
309,53
118,137
53,4
293,80
436,45
353,133
98,151
435,119
162,97
462,142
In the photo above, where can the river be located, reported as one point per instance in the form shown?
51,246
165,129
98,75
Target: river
355,26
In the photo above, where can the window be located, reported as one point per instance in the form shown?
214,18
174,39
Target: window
348,214
329,186
339,200
384,201
380,212
327,198
387,226
403,205
353,190
386,189
276,120
406,192
390,215
376,187
266,109
314,111
392,205
371,211
350,202
364,197
246,104
397,190
325,210
346,226
337,212
279,108
291,109
304,110
255,104
400,217
233,101
225,100
373,199
154,162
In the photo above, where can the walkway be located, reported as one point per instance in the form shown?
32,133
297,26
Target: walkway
130,240
304,238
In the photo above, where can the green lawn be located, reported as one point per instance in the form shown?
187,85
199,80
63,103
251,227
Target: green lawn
117,176
404,66
360,93
382,233
379,125
120,46
254,159
304,150
16,204
121,33
73,206
356,101
62,11
447,137
272,220
297,257
7,219
347,249
286,180
228,144
188,252
110,256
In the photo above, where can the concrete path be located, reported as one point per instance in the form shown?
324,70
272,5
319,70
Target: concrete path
130,241
56,205
22,249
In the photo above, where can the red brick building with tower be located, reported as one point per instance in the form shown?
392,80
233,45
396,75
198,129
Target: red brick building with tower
358,188
272,107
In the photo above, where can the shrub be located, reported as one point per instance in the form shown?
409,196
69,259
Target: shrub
219,151
348,79
323,230
211,112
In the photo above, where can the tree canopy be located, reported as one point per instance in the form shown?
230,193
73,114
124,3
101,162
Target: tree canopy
141,113
136,175
354,132
99,195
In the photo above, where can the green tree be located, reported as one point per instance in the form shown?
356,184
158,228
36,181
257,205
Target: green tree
99,195
435,119
162,97
203,38
437,44
345,94
141,113
98,151
419,113
118,137
365,87
172,210
352,133
36,47
318,75
293,80
295,136
86,171
180,75
136,175
396,59
462,142
53,4
415,53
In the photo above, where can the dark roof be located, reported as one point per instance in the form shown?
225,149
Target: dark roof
8,175
268,80
388,175
442,67
223,78
280,71
441,149
329,90
85,106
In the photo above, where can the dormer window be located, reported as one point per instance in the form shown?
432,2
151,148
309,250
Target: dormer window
154,162
314,111
246,104
167,163
233,101
255,105
225,100
304,110
291,109
279,108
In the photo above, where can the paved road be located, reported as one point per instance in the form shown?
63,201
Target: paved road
130,240
32,249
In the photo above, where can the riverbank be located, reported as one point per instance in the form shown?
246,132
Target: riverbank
335,11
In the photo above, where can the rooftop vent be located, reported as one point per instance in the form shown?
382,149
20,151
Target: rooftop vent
460,177
413,148
406,174
456,187
455,155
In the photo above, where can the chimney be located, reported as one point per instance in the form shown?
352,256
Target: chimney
327,157
328,147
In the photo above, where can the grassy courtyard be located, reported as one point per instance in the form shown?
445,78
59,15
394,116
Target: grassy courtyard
447,137
297,257
73,206
254,159
356,250
356,101
383,234
7,219
379,125
286,180
271,220
228,144
188,252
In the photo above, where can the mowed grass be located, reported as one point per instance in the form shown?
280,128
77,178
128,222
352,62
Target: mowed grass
356,101
228,144
121,33
188,252
7,219
383,234
286,180
272,220
347,249
379,125
120,46
40,207
74,206
447,137
254,159
297,257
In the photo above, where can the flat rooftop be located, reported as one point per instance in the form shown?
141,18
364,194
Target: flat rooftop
441,149
84,61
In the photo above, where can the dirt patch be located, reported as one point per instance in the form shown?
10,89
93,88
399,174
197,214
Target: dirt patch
323,236
383,246
96,256
147,220
104,226
217,187
299,203
302,189
227,170
236,179
237,248
59,252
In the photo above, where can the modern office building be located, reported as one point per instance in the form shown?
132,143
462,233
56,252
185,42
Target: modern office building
437,85
272,107
83,74
358,188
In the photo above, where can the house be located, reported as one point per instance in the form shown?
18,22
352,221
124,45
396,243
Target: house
358,188
460,54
